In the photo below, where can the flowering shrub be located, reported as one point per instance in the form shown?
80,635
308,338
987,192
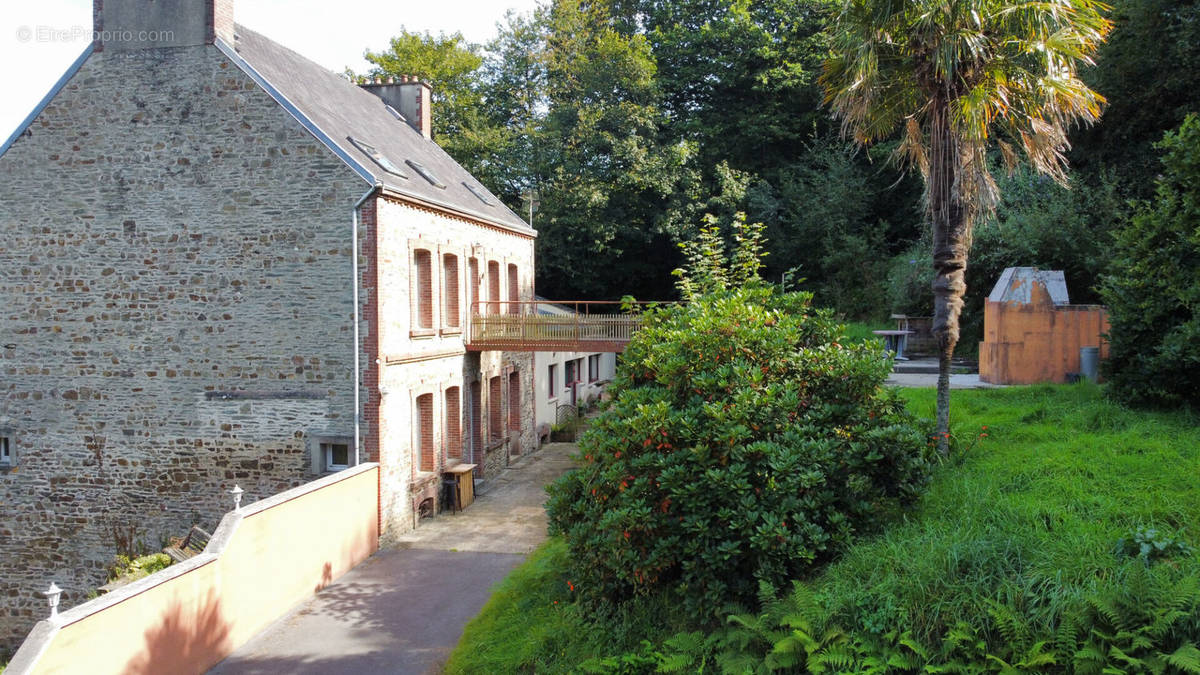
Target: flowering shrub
744,443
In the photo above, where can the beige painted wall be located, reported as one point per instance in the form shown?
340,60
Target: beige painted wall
190,616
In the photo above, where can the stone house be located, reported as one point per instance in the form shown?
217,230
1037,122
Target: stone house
224,264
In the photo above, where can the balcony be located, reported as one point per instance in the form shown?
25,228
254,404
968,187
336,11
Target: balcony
545,326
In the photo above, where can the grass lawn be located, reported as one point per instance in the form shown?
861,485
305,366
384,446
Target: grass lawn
858,331
1026,517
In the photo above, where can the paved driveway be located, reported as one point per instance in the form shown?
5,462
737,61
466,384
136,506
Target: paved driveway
403,610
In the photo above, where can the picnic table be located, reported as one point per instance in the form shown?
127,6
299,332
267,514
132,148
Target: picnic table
893,341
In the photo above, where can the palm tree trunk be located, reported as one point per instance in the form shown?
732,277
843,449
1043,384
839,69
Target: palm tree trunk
951,225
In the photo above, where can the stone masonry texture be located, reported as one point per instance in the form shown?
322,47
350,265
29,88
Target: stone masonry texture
167,233
176,316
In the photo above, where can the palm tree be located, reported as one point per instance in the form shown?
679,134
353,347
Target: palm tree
955,80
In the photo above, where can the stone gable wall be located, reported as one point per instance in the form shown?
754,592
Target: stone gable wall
167,233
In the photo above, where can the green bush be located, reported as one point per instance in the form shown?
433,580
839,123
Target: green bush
139,567
744,444
1153,293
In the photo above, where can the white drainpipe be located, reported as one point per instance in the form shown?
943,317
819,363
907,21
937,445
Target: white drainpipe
357,320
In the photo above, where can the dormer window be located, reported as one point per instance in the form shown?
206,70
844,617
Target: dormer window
426,174
377,157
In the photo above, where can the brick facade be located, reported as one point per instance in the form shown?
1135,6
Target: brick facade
433,362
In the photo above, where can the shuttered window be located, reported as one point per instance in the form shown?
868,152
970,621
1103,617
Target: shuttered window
423,273
514,401
452,315
495,413
453,435
425,450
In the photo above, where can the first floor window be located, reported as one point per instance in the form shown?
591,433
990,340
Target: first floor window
425,448
423,271
495,413
593,367
453,435
552,380
493,287
450,312
514,401
514,290
336,456
476,402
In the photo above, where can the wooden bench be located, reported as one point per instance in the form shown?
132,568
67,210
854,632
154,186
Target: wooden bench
192,545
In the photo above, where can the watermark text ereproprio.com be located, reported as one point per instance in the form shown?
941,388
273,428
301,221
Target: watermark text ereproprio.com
43,33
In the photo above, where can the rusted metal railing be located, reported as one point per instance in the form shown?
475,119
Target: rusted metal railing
550,326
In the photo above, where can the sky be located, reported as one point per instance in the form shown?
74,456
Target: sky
39,39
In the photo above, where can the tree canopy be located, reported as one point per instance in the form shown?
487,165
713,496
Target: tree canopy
621,122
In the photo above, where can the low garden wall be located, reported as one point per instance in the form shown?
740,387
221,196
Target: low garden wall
263,559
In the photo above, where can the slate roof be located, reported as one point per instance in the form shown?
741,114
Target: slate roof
337,110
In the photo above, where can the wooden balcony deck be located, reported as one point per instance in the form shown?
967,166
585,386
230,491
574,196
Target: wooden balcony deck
546,327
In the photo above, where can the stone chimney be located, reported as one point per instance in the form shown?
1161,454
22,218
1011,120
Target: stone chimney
411,97
131,25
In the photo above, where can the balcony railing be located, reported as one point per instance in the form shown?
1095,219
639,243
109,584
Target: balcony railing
544,326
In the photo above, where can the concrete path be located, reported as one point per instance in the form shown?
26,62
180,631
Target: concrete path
403,610
921,372
927,380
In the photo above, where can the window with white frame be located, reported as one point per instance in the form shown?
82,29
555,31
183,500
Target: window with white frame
335,453
8,455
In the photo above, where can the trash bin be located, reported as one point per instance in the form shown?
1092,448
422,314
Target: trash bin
1089,363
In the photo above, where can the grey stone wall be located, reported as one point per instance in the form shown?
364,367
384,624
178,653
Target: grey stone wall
167,233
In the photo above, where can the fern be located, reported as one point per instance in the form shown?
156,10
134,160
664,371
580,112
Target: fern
1186,658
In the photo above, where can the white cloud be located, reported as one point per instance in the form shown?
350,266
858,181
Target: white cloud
40,40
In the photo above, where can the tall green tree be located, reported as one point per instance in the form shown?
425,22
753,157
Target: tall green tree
513,84
957,78
1154,289
739,77
605,180
451,65
1149,69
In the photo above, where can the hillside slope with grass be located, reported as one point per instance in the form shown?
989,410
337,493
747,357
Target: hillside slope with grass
1056,506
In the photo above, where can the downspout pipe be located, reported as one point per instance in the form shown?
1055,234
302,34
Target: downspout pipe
358,379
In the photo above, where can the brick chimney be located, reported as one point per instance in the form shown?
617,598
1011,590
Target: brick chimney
131,25
411,97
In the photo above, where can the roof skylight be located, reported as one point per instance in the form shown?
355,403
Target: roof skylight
425,173
378,157
478,192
